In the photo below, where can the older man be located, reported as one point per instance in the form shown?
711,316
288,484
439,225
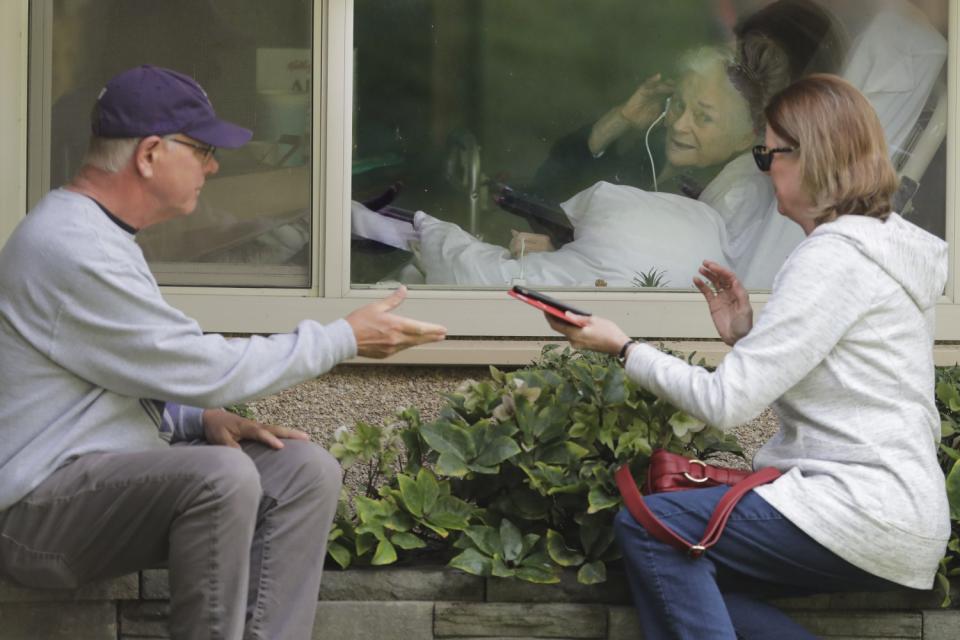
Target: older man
100,376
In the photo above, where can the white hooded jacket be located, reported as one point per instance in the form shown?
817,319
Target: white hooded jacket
843,352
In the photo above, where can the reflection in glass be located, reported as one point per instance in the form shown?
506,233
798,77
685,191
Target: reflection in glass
628,163
252,226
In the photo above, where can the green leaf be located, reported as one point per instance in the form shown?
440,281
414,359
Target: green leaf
614,387
596,534
560,552
448,438
537,575
407,541
363,543
399,521
473,562
450,512
592,573
511,540
340,554
943,586
429,488
386,554
500,568
551,423
953,490
449,464
483,470
947,427
530,540
949,395
600,500
682,424
412,494
486,539
499,449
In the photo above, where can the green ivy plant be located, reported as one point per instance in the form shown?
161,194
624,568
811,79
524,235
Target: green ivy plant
515,476
948,401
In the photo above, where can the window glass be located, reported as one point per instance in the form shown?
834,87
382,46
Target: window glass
252,226
606,144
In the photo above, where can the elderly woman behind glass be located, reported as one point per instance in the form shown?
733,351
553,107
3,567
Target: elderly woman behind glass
621,232
843,351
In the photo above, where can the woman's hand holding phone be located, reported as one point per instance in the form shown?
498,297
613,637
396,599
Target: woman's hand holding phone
594,334
549,305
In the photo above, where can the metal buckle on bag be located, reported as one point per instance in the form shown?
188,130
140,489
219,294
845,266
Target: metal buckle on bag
693,478
696,550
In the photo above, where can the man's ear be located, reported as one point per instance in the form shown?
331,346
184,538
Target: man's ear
145,155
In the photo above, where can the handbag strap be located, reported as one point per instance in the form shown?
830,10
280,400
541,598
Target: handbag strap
642,513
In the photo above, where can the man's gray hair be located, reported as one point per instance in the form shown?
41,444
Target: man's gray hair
110,154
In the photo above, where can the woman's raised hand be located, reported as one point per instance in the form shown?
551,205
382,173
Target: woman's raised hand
728,301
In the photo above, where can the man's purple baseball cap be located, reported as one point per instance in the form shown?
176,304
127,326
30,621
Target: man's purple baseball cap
153,101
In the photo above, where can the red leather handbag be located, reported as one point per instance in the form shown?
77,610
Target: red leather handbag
673,472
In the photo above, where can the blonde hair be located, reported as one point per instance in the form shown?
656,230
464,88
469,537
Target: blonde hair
844,163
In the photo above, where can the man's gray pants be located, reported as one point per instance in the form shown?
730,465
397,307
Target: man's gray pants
243,532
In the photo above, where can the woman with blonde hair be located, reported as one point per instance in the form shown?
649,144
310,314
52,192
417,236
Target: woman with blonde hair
843,352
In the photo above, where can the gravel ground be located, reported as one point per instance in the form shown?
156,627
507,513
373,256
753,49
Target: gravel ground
373,394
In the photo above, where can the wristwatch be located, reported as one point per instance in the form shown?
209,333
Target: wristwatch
622,356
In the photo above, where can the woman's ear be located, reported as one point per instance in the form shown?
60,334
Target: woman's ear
145,155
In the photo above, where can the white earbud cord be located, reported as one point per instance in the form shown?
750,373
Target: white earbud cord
646,142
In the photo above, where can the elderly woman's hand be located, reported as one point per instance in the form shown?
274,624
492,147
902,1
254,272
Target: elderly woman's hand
641,109
647,102
596,334
728,301
523,242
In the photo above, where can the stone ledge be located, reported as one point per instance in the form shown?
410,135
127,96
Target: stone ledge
58,620
374,620
431,583
513,620
438,603
874,624
123,588
941,625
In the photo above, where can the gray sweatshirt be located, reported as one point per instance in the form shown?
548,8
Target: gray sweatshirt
843,352
90,349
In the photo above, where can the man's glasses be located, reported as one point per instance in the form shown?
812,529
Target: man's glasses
764,157
207,151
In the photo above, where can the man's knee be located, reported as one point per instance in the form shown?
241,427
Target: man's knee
315,466
230,475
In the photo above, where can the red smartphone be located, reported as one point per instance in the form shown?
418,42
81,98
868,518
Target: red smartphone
546,303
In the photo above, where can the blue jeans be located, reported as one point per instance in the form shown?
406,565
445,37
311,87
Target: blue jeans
721,595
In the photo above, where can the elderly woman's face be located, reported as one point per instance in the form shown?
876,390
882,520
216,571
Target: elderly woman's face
708,121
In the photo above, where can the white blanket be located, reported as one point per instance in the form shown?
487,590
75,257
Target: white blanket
622,234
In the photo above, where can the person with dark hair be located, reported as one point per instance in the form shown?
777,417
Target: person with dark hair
100,376
801,35
843,351
812,39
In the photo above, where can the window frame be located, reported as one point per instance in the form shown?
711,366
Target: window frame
466,313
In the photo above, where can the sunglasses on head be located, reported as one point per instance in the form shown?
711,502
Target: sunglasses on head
764,157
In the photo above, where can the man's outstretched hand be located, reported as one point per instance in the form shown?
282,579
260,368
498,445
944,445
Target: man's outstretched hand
381,333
